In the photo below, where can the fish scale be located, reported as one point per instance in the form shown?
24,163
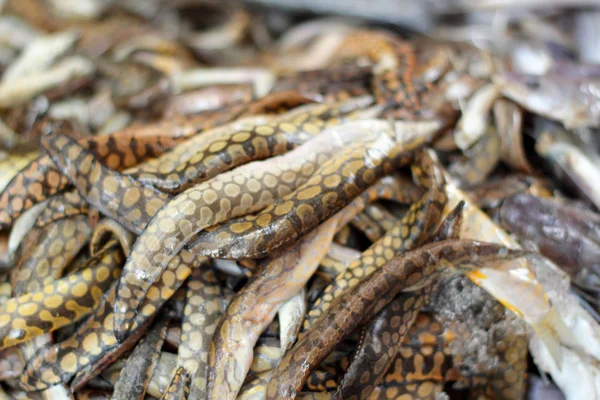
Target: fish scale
41,179
416,225
414,270
248,188
255,306
213,152
382,337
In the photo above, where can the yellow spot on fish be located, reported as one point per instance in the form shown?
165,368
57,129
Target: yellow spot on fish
90,343
50,377
102,273
110,185
309,193
241,137
69,363
28,309
287,127
53,301
217,146
264,130
79,289
11,306
240,227
72,305
284,208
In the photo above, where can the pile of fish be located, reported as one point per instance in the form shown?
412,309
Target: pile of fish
202,200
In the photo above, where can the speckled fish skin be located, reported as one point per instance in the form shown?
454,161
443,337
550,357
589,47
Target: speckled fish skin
397,88
94,345
331,84
509,379
417,390
246,189
319,82
161,172
336,261
223,149
413,270
118,196
135,376
375,221
393,83
57,245
12,164
276,103
375,354
61,302
382,337
61,206
425,355
179,387
481,159
416,226
427,360
333,186
330,373
255,306
414,390
88,347
163,373
178,270
203,309
37,181
41,179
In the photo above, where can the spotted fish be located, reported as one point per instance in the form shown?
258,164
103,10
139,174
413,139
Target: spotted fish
246,189
413,229
382,338
41,179
255,306
332,186
414,270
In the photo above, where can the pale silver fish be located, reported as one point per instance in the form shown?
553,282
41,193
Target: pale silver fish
261,78
475,118
80,9
20,90
291,315
572,100
576,167
40,54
